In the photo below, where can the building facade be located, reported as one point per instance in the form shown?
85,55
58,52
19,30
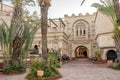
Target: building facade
5,16
104,35
74,35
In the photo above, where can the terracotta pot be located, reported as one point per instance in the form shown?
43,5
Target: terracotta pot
109,63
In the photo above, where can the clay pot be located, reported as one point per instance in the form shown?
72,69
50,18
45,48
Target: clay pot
109,63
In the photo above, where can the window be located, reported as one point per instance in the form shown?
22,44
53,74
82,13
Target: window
76,31
80,29
84,33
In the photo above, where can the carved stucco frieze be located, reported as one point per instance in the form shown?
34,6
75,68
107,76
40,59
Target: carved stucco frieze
81,42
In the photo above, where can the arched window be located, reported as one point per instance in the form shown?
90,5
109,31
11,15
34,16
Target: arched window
84,32
80,32
76,31
80,29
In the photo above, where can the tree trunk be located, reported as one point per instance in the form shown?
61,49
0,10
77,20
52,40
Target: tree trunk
44,13
16,49
117,43
17,20
117,10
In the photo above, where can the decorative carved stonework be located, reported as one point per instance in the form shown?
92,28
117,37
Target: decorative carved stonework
81,42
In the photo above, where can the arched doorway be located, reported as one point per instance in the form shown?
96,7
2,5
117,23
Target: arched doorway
81,52
111,55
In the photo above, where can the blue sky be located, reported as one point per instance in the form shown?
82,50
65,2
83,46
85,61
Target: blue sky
59,8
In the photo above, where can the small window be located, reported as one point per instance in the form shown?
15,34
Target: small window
84,33
76,32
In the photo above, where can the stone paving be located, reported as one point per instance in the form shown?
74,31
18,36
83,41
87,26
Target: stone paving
81,69
84,69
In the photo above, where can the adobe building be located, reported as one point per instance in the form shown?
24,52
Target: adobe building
77,35
104,35
5,16
74,35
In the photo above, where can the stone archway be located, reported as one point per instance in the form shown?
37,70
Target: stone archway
111,55
81,52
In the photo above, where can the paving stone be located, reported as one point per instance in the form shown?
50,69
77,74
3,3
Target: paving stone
81,69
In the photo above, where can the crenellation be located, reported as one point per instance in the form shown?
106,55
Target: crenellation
87,14
79,15
66,15
73,15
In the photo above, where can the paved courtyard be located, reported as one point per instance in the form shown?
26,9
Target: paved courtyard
84,69
81,69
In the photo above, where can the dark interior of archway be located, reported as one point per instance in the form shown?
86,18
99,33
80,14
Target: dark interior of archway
111,55
81,52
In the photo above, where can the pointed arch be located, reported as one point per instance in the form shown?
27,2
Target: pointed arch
80,27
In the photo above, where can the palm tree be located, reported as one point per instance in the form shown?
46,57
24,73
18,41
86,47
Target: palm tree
117,10
107,8
44,4
17,28
26,38
1,2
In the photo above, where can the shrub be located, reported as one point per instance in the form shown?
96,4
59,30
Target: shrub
50,72
32,75
37,64
14,67
116,66
98,53
40,64
53,57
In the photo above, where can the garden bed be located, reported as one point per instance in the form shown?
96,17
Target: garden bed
52,78
15,73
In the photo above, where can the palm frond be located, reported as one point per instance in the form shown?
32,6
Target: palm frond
106,7
82,2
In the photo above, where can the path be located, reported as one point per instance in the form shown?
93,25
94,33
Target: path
81,69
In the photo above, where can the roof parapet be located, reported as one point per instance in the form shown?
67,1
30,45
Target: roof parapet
79,15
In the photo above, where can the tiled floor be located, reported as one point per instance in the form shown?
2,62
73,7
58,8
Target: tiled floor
81,69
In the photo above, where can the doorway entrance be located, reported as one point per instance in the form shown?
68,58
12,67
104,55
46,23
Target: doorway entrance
111,55
81,52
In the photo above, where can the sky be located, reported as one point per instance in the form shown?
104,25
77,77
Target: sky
59,8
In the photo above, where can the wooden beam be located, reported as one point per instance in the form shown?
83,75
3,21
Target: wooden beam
62,21
53,22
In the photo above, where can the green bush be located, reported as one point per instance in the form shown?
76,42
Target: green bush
50,72
37,64
116,66
32,75
98,53
40,64
15,67
53,57
58,65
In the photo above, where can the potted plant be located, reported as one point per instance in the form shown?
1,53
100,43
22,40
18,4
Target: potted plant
98,55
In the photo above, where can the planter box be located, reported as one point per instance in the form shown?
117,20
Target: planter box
52,78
